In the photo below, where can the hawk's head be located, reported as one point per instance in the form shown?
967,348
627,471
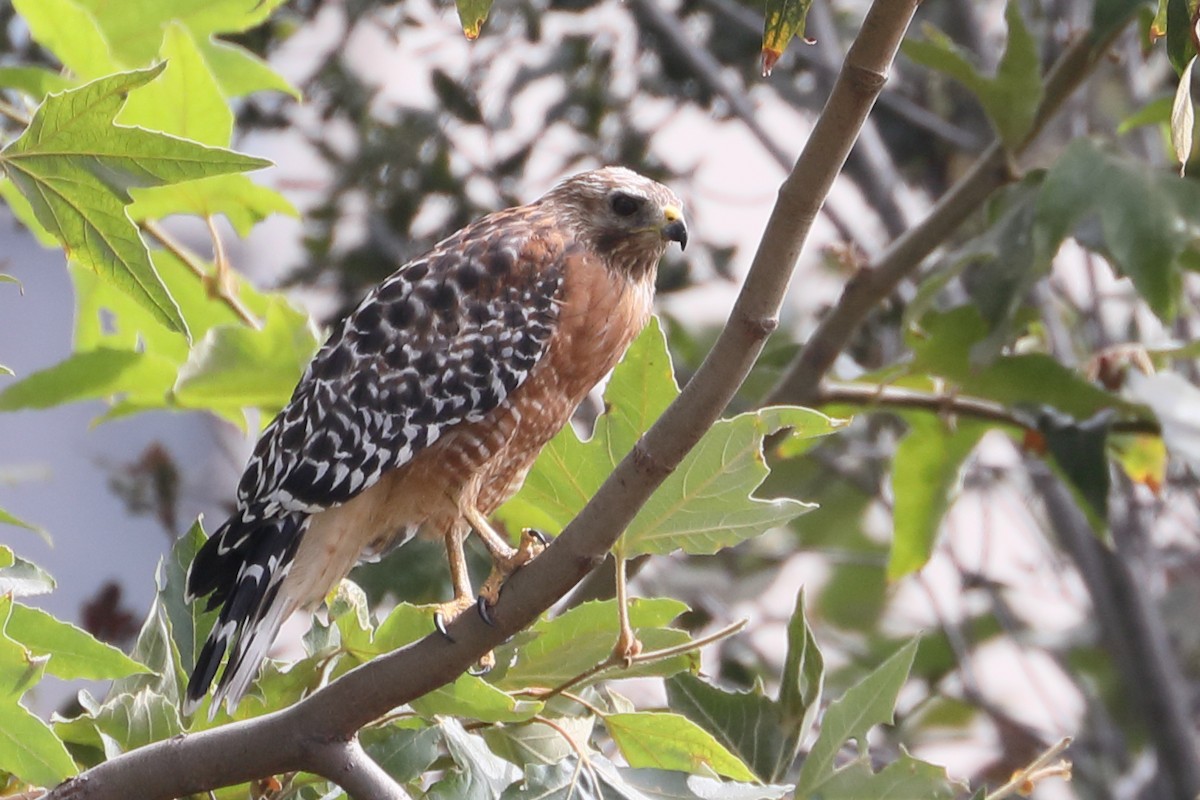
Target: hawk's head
626,218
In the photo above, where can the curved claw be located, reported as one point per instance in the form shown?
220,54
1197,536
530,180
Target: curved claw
439,622
485,611
541,537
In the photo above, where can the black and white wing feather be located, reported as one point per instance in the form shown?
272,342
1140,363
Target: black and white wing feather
441,342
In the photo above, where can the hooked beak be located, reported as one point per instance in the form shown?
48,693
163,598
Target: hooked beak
675,230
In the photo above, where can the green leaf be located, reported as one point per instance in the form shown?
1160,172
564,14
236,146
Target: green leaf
748,724
235,367
189,622
404,753
555,650
706,504
763,733
1155,112
23,211
28,747
925,479
242,201
240,72
479,773
901,778
23,578
99,373
868,703
135,26
1079,450
472,14
1180,46
1010,98
35,82
671,741
803,676
943,349
74,653
1109,16
76,168
784,20
184,100
471,697
8,519
68,30
1148,220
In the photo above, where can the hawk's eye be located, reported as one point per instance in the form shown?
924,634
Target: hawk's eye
625,205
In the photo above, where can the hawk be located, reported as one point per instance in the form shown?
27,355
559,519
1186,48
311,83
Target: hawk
427,406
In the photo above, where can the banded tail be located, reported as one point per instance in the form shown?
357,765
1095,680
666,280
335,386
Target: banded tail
241,568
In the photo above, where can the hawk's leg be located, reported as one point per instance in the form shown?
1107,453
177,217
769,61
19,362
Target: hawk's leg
464,598
505,559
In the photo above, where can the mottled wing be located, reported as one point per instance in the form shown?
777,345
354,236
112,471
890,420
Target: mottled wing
441,342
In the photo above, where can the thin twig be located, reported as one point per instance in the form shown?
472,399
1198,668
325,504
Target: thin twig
800,383
197,266
1024,780
15,114
951,405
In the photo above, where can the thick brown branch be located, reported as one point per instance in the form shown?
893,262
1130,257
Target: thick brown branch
278,742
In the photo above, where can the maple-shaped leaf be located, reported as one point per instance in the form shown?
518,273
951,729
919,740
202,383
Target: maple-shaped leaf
76,167
704,505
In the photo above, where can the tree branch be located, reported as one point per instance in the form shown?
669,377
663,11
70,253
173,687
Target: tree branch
800,384
281,741
948,403
346,763
1131,633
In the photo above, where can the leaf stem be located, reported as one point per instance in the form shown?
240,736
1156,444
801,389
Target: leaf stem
951,404
197,266
1023,780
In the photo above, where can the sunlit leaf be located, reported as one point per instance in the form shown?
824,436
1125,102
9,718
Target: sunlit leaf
1144,459
28,747
94,374
555,650
35,82
1183,118
235,366
23,578
671,741
67,29
76,168
925,479
704,505
74,653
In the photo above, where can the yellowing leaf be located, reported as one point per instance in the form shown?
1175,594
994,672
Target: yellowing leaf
472,14
784,20
1144,459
